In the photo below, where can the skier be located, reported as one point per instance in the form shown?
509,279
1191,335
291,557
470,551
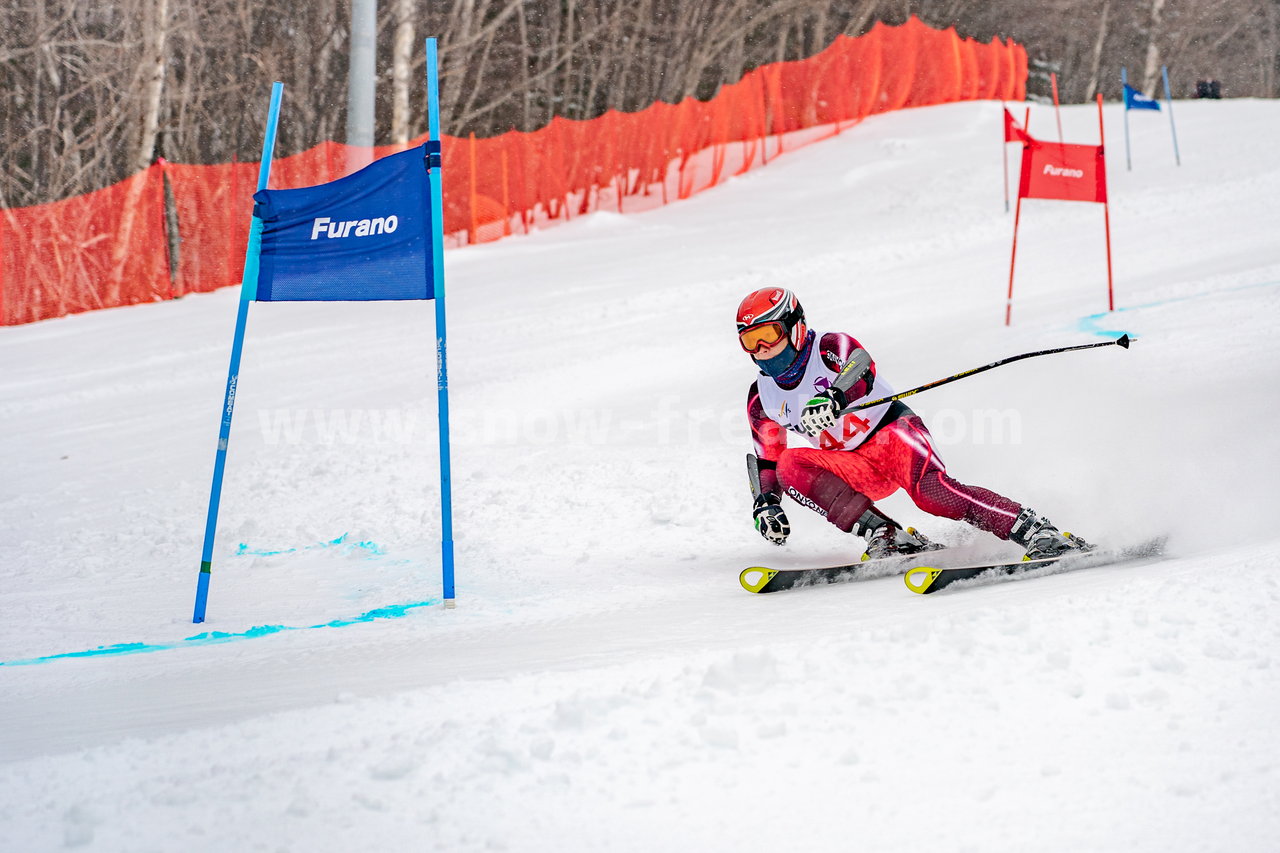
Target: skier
806,379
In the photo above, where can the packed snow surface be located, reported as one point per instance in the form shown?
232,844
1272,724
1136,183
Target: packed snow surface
604,683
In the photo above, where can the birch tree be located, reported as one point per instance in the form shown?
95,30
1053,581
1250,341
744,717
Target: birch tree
401,69
91,93
151,75
1151,69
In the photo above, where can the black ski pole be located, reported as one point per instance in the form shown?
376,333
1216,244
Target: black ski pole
1122,341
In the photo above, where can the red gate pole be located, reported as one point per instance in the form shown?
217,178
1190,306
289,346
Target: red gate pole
1106,210
473,230
1013,257
1004,151
4,216
1057,110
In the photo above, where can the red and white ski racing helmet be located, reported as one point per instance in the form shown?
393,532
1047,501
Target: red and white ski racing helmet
768,309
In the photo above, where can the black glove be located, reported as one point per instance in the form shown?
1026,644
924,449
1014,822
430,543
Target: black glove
771,521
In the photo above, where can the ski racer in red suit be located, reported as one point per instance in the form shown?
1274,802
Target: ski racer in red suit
806,379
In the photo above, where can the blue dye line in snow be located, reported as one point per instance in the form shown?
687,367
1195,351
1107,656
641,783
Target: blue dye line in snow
374,549
1090,324
208,638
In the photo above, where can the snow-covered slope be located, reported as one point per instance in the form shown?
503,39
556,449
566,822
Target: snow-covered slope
604,682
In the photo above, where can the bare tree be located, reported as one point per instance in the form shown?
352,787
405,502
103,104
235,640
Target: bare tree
1095,64
151,76
1151,70
401,68
91,92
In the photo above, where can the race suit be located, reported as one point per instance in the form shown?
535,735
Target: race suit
867,456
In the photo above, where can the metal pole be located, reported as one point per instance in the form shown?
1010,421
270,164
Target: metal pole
1004,150
1123,341
1164,72
1106,207
361,82
1013,258
1124,98
1057,109
442,352
248,292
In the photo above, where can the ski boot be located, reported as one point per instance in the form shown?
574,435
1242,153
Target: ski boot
888,540
1041,539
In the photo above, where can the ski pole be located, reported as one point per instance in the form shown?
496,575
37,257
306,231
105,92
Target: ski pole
1122,341
753,475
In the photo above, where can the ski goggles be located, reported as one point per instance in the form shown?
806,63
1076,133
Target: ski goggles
762,337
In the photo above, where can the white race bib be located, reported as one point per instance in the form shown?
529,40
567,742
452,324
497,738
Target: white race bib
785,406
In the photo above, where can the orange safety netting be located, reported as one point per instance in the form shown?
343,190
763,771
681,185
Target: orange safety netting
111,247
98,250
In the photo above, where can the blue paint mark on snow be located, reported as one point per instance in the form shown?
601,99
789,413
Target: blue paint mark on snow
373,548
209,638
1091,324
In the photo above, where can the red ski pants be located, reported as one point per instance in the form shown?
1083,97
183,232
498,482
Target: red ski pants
842,484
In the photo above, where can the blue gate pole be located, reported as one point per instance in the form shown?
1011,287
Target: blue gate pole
435,178
248,292
1164,72
1124,99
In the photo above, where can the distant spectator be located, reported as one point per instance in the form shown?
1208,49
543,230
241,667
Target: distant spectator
1208,89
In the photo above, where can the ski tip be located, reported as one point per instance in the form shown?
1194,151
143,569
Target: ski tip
921,578
1124,341
756,578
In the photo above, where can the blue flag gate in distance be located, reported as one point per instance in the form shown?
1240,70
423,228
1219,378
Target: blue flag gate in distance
376,234
1135,100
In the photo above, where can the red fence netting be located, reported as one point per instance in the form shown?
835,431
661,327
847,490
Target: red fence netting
98,250
111,247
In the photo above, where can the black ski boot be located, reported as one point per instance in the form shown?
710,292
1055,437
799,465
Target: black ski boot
888,540
1041,539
